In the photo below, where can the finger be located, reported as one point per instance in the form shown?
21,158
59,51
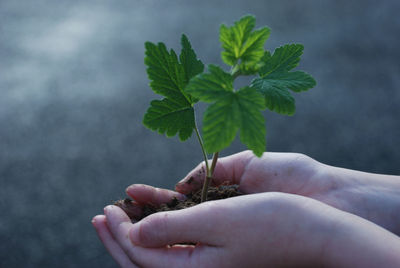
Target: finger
162,256
145,194
191,225
99,223
179,256
131,208
119,224
228,169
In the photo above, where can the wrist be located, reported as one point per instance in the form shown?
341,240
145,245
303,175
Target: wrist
371,196
356,242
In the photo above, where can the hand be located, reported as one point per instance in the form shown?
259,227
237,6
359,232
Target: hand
280,172
260,230
371,196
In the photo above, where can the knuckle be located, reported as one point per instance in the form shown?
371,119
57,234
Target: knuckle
303,162
302,158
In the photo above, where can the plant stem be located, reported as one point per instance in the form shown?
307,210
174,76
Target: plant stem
208,178
213,163
209,171
235,71
201,145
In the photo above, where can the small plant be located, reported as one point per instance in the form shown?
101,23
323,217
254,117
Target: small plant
183,82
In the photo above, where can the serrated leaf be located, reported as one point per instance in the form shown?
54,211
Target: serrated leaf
191,65
277,98
284,59
168,117
166,74
275,79
220,124
169,77
237,110
296,81
253,50
210,86
240,43
232,38
252,122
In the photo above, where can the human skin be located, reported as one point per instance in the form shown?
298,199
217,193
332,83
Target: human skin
259,230
371,196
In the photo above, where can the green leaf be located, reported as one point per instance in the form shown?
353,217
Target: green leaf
275,79
277,98
168,117
220,124
296,81
210,86
239,110
285,58
241,43
166,74
191,65
233,38
253,49
252,122
253,69
230,111
168,77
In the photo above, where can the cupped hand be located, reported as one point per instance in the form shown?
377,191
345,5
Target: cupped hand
371,196
258,230
142,195
280,172
374,197
253,230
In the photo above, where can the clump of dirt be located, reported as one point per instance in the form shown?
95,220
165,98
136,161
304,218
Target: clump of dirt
192,199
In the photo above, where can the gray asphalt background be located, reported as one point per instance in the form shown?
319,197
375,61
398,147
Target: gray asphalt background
73,90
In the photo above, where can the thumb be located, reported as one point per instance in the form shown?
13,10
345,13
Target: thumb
198,224
228,169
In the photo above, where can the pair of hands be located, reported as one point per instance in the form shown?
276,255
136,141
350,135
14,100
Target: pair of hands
280,223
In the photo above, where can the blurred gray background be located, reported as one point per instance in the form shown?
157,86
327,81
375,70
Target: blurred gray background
73,90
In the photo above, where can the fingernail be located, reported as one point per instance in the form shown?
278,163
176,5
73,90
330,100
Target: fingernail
181,181
180,185
132,186
128,188
107,208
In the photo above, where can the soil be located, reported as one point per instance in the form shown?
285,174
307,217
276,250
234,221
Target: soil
192,199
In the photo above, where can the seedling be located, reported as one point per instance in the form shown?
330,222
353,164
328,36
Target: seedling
183,82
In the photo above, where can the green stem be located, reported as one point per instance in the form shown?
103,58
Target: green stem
201,145
214,163
208,178
209,171
235,71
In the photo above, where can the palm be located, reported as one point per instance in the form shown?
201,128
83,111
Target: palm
273,172
283,172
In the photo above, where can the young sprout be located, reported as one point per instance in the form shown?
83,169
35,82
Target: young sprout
182,82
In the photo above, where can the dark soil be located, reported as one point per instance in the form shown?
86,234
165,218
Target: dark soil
214,193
